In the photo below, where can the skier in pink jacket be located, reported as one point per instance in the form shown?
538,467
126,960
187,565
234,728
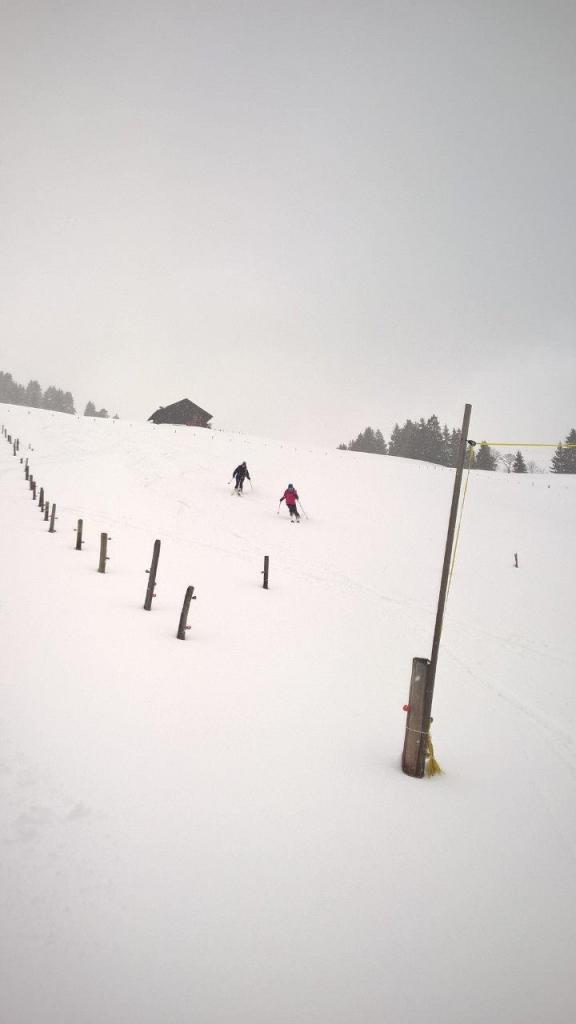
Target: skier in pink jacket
290,496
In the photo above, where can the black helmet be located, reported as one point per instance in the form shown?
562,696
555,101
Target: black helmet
290,487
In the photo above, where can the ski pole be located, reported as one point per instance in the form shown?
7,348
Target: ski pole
303,509
250,482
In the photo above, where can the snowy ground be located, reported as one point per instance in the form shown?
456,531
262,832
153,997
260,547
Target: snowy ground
218,831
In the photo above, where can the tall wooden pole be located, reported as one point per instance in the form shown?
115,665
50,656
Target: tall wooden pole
431,670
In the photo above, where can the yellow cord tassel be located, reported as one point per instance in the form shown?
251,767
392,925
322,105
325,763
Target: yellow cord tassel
432,766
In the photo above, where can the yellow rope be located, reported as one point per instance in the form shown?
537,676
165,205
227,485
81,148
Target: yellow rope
456,539
524,444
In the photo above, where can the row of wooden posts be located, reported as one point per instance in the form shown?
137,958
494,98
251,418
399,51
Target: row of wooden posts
50,517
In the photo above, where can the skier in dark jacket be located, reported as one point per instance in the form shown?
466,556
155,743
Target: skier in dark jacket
290,496
240,474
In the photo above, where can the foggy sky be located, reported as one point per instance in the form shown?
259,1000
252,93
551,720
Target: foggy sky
305,216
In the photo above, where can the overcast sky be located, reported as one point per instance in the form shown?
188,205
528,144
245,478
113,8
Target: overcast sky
306,216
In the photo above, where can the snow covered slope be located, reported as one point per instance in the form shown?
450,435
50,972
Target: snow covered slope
218,831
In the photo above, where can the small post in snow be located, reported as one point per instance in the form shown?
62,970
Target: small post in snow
33,490
265,571
41,499
52,528
26,470
46,511
79,535
516,560
152,576
103,550
182,627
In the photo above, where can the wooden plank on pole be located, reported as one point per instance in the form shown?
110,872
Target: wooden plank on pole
415,738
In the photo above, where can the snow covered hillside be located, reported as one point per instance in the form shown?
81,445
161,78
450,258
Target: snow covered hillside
218,831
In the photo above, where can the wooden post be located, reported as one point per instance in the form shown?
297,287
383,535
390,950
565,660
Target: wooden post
182,627
79,535
41,499
103,549
26,470
431,671
31,482
33,490
152,576
265,572
15,448
415,737
52,520
516,561
46,511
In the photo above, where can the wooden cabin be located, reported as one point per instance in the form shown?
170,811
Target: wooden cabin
183,413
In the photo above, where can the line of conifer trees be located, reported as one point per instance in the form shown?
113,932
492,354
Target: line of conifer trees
427,441
53,398
32,395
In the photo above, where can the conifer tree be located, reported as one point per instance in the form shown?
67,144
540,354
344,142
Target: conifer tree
51,398
519,466
7,387
485,458
394,444
67,403
564,459
33,394
369,441
432,447
381,446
